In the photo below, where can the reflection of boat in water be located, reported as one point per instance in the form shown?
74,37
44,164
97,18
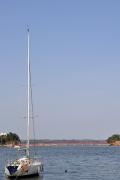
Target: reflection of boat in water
25,166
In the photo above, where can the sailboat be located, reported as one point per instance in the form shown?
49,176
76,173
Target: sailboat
26,165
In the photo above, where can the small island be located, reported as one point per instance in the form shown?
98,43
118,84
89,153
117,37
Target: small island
9,139
114,140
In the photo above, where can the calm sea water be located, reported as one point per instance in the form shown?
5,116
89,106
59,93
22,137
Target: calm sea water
81,162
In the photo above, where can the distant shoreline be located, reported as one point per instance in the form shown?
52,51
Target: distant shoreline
47,143
58,143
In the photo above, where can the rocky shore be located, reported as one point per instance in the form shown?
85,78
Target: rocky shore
115,143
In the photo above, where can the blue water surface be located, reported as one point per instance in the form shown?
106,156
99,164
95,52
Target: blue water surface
72,162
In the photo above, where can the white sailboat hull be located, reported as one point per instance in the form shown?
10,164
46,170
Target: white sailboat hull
34,168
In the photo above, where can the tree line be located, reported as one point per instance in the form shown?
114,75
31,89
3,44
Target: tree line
113,138
9,138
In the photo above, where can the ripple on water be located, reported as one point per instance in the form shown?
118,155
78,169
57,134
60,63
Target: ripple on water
80,162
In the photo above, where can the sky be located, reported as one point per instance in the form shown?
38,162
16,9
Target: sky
75,62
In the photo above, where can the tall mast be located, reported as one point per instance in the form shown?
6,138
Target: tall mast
28,110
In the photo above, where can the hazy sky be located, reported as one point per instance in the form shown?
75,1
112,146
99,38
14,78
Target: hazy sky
75,57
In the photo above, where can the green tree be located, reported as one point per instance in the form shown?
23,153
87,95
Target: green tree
113,138
10,138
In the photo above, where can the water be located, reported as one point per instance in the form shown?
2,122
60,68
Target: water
81,162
